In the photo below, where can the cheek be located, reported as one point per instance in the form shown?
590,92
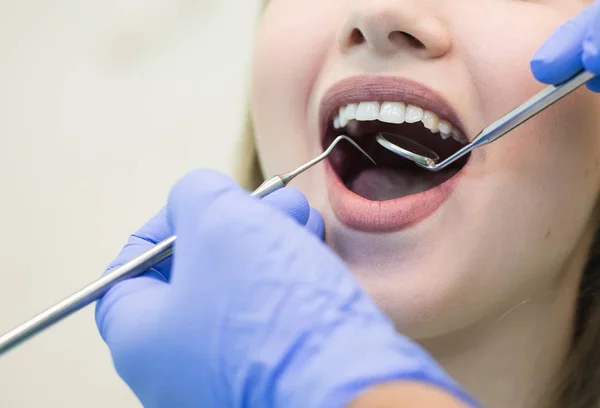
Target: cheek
548,162
498,60
540,190
563,160
293,40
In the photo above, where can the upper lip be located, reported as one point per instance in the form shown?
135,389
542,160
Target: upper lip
383,89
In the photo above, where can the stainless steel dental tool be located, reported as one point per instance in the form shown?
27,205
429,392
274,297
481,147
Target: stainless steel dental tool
140,264
429,160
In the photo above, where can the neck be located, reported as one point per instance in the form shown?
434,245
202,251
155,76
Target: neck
514,359
511,362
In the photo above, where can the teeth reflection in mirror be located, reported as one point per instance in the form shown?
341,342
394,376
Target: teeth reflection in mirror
414,114
392,112
367,111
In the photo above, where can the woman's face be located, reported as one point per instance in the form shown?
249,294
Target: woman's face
437,251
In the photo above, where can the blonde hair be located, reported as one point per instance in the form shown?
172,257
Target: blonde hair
248,171
579,384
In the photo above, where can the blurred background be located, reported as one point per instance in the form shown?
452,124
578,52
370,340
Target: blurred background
103,105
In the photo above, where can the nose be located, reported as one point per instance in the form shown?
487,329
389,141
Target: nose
388,27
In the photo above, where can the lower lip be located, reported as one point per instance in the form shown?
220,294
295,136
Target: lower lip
365,215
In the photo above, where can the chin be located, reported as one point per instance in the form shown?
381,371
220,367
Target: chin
409,277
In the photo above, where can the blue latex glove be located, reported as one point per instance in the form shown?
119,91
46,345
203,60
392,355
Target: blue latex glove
257,311
575,45
288,201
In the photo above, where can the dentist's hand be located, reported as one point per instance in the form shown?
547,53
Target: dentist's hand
253,311
575,45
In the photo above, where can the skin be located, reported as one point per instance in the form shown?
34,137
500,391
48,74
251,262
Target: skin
488,283
405,394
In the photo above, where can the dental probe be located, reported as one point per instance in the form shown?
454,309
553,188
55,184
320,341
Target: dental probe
495,131
138,265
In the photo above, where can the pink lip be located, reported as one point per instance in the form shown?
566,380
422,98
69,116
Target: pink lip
393,215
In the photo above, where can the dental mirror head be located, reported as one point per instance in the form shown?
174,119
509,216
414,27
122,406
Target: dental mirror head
408,148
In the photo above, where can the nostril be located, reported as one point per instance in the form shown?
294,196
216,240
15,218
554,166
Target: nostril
356,37
401,37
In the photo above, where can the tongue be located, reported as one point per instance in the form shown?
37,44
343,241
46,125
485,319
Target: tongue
380,184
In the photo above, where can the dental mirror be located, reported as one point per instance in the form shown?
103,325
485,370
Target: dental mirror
408,148
429,160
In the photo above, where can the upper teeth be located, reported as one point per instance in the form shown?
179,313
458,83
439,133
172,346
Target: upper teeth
396,112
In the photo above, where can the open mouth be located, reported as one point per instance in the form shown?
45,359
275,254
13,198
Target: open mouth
396,193
394,177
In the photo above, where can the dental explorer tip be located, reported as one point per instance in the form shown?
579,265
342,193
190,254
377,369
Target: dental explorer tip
353,143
